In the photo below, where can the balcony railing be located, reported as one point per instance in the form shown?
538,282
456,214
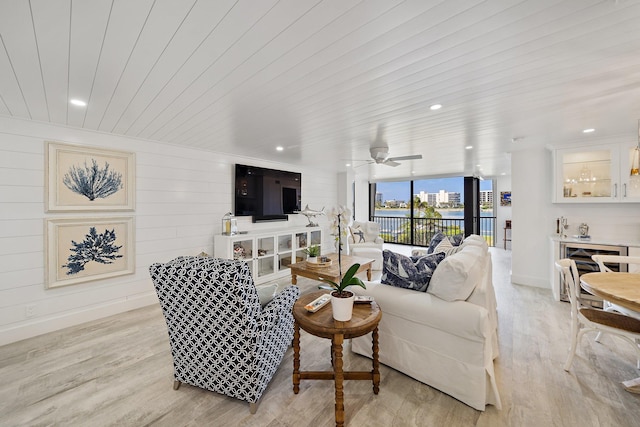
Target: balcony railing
398,229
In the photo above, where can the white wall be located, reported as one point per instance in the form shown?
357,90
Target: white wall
534,218
181,197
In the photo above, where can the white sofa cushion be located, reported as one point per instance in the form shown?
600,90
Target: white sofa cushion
457,275
475,240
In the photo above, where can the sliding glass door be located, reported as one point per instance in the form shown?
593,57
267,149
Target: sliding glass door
411,212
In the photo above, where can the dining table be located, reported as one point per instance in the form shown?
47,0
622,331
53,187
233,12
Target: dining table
618,288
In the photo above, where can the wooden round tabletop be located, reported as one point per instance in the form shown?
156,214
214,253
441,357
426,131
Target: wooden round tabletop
619,288
321,323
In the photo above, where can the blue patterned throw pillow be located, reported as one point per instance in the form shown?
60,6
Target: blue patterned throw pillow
457,239
409,272
435,241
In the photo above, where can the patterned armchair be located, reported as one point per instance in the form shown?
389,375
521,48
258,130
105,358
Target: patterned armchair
221,338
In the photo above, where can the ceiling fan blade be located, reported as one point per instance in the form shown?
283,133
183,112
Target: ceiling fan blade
413,157
368,162
390,162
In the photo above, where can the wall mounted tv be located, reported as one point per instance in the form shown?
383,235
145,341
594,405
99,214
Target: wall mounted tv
266,194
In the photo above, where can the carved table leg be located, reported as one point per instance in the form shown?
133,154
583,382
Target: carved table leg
376,366
339,378
296,358
369,272
294,279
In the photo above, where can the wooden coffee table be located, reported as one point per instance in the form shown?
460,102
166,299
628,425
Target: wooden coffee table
331,272
321,324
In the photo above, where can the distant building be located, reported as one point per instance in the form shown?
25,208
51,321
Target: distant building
486,197
454,200
391,203
440,199
378,201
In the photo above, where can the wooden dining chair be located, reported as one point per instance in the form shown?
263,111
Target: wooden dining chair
586,318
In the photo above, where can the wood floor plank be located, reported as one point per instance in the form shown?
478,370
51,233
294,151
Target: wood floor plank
118,371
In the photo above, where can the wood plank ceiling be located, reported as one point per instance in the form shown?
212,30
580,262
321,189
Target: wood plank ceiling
327,80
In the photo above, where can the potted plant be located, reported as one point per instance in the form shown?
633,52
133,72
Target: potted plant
341,299
313,252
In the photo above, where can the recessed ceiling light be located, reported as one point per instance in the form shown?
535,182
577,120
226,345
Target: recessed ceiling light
435,107
588,130
468,147
78,103
503,173
348,164
280,148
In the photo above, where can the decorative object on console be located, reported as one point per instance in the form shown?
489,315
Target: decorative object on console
229,224
563,226
583,230
310,213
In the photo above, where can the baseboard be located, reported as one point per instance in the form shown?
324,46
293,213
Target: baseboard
55,323
535,282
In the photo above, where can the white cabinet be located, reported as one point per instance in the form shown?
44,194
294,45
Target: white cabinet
629,186
268,252
594,175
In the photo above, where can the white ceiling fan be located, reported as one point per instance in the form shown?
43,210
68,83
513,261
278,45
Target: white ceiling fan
380,156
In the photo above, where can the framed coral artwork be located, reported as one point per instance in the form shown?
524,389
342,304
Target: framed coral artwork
80,178
83,249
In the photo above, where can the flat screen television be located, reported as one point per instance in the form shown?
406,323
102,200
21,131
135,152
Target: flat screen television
266,194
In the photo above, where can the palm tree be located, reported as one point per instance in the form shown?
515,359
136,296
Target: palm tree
424,228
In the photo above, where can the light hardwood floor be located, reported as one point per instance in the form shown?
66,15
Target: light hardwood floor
118,371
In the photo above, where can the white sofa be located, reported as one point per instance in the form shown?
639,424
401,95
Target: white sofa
449,345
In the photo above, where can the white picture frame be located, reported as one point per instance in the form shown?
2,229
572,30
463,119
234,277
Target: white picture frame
81,178
79,250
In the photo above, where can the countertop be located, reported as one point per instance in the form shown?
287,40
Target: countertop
612,241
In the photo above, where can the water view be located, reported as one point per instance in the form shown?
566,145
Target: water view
396,225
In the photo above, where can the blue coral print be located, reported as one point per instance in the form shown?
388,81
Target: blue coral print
95,247
93,182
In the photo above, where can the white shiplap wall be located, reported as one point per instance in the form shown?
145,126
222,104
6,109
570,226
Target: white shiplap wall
181,197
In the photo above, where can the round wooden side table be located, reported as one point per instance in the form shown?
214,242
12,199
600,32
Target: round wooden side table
321,324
